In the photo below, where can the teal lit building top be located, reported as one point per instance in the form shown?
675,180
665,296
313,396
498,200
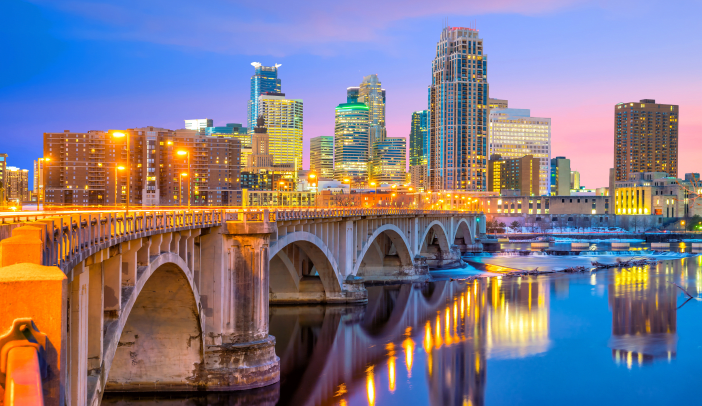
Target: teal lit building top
230,128
264,80
351,143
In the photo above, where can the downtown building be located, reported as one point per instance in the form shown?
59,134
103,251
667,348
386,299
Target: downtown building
351,128
513,133
515,176
458,112
560,176
264,80
16,184
95,168
322,156
419,149
283,118
645,138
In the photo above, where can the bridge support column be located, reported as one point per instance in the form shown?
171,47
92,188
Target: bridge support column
245,356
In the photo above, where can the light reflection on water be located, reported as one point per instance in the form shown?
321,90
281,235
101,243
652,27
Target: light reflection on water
610,337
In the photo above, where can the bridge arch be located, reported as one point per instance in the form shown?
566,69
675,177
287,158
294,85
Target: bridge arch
463,231
439,231
288,271
386,253
157,342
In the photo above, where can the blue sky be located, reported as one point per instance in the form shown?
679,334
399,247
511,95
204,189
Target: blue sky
96,65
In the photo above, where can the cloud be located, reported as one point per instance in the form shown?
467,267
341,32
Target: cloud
276,27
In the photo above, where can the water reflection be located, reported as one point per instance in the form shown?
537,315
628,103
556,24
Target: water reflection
434,343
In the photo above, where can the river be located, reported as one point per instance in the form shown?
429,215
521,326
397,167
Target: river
611,337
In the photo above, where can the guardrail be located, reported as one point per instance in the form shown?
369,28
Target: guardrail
67,234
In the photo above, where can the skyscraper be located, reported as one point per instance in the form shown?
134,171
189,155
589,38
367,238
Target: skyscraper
17,184
373,95
199,124
645,138
459,112
419,138
283,118
322,156
514,133
560,176
351,143
3,179
264,80
38,183
516,174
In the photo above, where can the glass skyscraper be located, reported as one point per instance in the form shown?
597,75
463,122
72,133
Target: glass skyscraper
389,161
264,80
322,156
283,118
458,116
419,138
351,143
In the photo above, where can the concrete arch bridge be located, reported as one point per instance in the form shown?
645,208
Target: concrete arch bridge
179,300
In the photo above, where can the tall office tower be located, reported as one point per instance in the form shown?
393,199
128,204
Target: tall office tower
560,176
322,156
82,169
419,138
17,184
199,124
3,179
38,182
389,161
264,80
260,147
516,174
645,138
459,112
283,118
234,130
514,133
351,143
373,95
497,103
574,180
352,94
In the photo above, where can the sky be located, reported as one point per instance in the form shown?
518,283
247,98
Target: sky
113,64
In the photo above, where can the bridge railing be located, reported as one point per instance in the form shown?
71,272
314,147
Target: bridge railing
68,233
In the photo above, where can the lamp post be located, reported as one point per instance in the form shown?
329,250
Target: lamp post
312,180
181,153
129,173
118,168
180,188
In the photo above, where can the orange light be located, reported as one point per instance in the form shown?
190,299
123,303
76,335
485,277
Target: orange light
169,143
312,176
281,183
183,174
410,189
121,168
372,183
394,186
118,135
182,152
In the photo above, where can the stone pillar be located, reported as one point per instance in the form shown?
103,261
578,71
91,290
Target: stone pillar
246,357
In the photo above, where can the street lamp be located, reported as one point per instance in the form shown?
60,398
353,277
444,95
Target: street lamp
129,173
313,184
182,153
118,168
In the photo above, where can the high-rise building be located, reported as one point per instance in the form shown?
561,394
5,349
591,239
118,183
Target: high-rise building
514,133
373,95
3,179
283,118
260,147
82,169
322,156
38,183
17,184
560,176
389,162
497,103
351,143
645,138
419,138
260,172
574,180
264,80
229,129
199,124
516,174
418,177
459,112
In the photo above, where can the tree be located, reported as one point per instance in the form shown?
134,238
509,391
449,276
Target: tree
692,224
515,225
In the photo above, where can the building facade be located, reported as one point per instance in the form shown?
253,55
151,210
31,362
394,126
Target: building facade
284,119
645,138
519,175
389,163
17,180
264,80
560,176
199,124
574,180
514,133
458,123
497,103
419,138
3,179
418,177
351,159
83,169
322,156
656,193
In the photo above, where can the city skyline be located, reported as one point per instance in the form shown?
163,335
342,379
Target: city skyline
101,97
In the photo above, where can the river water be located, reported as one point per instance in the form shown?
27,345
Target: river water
611,337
